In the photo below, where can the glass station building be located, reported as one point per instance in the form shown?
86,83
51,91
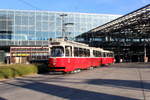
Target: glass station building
25,34
21,27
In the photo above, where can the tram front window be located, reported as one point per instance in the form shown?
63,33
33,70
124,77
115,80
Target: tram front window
57,51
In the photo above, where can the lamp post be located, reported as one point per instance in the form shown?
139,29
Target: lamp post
67,34
63,34
63,25
145,54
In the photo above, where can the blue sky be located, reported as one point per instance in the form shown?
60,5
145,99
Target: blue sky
84,6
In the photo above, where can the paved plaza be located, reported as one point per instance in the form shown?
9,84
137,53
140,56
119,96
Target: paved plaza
129,81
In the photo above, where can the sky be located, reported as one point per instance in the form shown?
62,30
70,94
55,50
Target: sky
120,7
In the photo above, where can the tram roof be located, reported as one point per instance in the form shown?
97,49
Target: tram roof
62,41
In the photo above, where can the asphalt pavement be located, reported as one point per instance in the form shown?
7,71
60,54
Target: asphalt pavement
124,81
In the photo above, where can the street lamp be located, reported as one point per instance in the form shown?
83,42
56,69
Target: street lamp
63,25
145,54
63,34
67,34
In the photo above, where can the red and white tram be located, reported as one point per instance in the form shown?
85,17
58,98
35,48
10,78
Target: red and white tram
68,56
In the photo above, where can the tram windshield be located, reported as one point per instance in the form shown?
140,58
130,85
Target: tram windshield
57,51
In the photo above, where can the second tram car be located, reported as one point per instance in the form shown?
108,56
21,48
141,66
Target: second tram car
68,56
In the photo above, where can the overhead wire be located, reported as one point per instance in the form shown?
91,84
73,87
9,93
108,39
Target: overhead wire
29,4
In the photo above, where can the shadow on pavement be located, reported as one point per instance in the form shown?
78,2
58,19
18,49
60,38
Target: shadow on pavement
129,84
69,92
2,98
131,65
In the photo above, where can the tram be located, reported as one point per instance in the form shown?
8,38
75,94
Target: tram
69,56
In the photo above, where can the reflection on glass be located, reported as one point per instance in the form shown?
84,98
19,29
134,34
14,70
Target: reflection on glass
57,51
42,25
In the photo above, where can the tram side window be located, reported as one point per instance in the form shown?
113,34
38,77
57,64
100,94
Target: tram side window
97,53
94,53
104,54
87,53
84,52
76,52
81,52
110,54
68,51
107,55
101,54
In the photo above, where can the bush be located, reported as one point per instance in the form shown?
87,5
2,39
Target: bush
6,73
17,70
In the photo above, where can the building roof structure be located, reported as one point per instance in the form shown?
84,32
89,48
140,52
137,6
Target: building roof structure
128,36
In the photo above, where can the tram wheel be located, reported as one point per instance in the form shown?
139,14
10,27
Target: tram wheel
75,71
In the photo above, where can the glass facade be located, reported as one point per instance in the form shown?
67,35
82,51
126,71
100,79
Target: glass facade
21,25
